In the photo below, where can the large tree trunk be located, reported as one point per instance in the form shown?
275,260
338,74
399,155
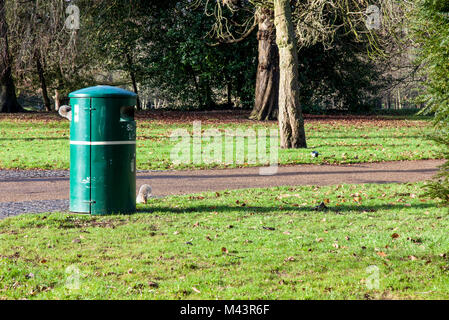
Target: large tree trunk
8,99
291,121
267,79
40,72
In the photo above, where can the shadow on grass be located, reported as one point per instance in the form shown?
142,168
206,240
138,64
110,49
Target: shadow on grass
282,209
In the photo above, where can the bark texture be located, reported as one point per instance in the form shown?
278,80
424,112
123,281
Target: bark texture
267,79
8,99
291,121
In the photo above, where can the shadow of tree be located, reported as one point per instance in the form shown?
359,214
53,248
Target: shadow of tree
284,208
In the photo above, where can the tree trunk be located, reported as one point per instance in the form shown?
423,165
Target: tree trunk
40,72
8,99
291,121
57,100
267,79
133,79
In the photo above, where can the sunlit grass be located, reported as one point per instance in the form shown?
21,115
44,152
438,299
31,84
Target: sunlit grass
251,244
33,144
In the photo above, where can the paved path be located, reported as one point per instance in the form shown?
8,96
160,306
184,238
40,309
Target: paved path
25,187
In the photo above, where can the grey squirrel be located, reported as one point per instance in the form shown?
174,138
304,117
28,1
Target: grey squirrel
144,193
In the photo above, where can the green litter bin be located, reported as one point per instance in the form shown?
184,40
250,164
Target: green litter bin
102,151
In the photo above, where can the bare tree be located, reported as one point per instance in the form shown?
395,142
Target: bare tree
44,49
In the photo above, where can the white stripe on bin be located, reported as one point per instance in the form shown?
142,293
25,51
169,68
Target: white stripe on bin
100,143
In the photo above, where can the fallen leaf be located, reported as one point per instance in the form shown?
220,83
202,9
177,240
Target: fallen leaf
357,198
287,232
413,258
224,250
395,235
196,290
381,254
289,259
319,240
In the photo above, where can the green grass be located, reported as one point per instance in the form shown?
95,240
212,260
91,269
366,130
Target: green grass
220,246
28,144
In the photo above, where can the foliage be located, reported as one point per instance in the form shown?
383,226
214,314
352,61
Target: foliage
431,31
185,67
342,77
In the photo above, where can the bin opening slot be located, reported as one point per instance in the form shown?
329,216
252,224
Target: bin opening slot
127,113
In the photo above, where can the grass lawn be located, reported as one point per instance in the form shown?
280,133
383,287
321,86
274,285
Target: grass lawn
252,244
27,143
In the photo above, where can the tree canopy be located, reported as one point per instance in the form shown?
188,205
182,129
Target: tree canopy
430,25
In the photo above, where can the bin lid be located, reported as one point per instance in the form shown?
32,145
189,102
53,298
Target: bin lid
102,92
